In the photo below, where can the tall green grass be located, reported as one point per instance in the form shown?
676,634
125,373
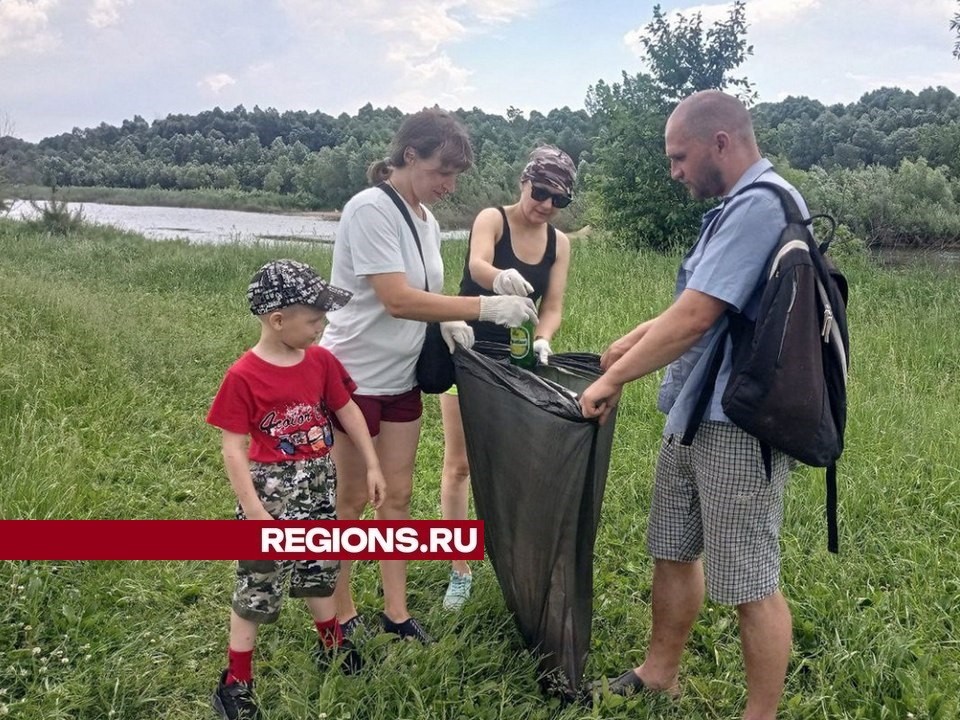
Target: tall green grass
111,348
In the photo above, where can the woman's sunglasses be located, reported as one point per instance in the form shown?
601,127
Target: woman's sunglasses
540,194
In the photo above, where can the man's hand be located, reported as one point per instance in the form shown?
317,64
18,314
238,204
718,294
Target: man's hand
456,332
598,400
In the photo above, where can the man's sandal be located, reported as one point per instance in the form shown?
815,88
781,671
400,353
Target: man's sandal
625,685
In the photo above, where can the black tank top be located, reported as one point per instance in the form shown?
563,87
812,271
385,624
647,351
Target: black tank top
504,258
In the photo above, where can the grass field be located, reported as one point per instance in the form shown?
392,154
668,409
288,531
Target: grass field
111,348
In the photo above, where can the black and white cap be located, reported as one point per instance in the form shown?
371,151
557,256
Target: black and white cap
282,283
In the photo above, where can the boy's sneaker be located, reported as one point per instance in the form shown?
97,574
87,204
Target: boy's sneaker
346,657
458,591
351,626
235,701
409,629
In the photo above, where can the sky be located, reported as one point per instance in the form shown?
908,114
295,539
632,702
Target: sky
78,63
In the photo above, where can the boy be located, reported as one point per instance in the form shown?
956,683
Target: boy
274,410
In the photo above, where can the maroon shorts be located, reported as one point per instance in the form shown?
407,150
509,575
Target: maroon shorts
405,407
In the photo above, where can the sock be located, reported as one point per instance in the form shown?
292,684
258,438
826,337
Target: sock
239,666
331,636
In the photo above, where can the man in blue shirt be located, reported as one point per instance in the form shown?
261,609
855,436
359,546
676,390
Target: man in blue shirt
718,503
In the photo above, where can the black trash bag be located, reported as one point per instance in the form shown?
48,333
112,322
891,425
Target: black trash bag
538,470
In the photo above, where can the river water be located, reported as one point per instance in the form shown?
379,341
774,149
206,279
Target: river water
201,225
205,226
944,258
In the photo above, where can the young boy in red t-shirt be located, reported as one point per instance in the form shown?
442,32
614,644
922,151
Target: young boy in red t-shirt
274,407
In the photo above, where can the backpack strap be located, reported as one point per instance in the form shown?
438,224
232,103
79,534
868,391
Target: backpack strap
789,205
402,207
709,383
792,212
832,533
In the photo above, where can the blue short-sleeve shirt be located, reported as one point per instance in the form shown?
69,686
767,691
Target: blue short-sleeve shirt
730,268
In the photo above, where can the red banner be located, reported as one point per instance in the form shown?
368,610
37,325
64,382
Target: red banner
240,539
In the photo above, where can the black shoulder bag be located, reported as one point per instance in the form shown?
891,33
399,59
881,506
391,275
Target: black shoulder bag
435,371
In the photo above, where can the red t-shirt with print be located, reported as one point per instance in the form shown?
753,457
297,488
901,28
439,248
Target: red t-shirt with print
284,410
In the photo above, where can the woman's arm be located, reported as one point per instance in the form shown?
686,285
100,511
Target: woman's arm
406,302
403,301
487,229
551,305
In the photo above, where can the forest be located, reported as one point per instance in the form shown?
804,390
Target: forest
886,166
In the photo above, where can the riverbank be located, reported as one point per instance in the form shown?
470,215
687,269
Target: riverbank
198,225
113,347
452,217
246,201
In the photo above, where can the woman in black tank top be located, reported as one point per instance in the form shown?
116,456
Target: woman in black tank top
513,250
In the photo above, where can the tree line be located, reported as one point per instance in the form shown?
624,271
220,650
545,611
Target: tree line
886,165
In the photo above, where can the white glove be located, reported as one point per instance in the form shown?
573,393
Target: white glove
456,332
511,282
507,310
541,348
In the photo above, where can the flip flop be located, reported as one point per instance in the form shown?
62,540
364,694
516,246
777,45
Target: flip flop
625,685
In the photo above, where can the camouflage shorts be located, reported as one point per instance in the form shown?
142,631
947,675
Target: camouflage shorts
298,490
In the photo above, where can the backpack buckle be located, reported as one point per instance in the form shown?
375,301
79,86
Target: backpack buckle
827,324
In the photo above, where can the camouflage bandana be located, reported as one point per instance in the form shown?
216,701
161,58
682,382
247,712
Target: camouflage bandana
551,166
282,283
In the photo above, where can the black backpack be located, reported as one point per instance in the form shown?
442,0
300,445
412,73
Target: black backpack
788,381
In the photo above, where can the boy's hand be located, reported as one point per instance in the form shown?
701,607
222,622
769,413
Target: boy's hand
258,513
376,487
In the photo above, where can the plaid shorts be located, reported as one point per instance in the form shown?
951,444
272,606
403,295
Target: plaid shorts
720,498
298,490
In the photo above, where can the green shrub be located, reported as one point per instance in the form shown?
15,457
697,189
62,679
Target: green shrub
55,217
915,204
846,245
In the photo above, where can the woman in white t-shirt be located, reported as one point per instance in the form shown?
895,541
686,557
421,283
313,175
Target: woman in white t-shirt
377,336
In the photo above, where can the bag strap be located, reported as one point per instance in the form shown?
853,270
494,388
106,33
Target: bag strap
790,207
402,207
832,534
709,382
792,210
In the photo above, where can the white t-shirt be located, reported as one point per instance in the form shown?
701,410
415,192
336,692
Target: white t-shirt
379,351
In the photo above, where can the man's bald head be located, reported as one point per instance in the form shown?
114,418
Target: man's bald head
705,113
710,143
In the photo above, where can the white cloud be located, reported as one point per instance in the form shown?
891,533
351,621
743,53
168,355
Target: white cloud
500,11
778,12
216,82
105,13
434,81
24,26
418,26
760,15
410,39
424,24
906,81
